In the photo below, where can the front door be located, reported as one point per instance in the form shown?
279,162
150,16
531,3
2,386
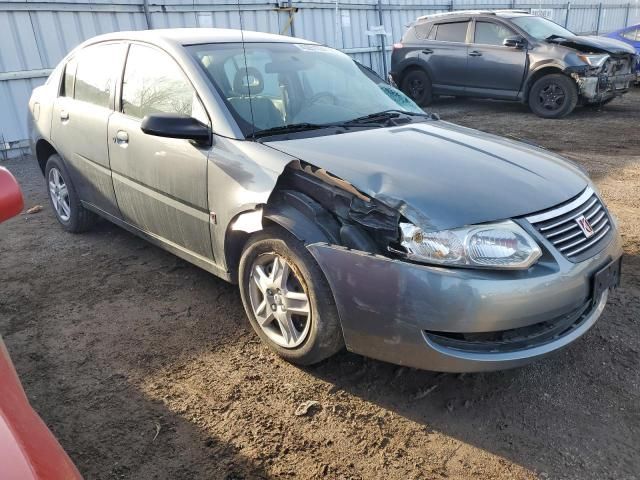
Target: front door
495,70
80,117
160,183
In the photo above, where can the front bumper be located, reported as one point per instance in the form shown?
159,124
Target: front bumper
599,88
392,310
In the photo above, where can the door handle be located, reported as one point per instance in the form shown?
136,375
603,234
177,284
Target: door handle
121,138
475,53
427,51
64,115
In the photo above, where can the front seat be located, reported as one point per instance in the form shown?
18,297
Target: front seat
248,84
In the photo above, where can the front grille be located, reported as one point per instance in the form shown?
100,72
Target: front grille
560,226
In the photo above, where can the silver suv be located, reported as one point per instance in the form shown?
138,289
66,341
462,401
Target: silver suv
346,215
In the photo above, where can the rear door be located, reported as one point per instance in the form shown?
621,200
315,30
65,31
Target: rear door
494,70
160,183
80,117
446,56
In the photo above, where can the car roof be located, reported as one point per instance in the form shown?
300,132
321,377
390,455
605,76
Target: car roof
474,13
193,36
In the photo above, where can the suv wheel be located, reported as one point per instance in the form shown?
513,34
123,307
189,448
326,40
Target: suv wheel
287,298
64,200
553,96
416,84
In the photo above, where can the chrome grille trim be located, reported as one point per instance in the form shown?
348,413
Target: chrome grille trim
560,227
593,241
541,217
576,216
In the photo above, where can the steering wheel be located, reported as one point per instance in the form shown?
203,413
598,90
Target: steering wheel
320,95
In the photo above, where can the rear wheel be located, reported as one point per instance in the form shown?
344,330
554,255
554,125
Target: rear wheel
287,298
416,84
63,198
553,96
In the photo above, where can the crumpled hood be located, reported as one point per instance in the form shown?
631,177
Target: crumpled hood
596,44
441,175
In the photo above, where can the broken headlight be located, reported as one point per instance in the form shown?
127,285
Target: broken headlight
594,60
494,245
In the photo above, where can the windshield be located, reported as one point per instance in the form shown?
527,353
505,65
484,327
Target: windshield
286,84
541,28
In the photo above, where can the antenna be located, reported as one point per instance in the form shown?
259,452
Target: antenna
246,69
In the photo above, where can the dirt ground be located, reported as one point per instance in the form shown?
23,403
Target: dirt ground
145,367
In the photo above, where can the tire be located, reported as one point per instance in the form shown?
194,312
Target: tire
553,96
416,84
65,201
319,334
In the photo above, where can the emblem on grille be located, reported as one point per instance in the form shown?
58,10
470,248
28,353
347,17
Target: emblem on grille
585,226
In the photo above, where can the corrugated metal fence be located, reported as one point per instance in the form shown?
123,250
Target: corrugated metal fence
35,35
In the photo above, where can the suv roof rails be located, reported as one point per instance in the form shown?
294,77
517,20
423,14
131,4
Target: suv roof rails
470,12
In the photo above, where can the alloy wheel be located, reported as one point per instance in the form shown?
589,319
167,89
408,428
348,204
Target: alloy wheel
279,301
59,194
552,97
416,88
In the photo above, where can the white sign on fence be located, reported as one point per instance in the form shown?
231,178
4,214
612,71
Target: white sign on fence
543,12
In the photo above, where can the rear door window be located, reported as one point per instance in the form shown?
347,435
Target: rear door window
489,33
452,32
96,73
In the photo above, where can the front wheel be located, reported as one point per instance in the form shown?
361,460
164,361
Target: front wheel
287,298
553,96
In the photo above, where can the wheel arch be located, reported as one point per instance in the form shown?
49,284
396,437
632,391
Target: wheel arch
540,72
292,219
43,151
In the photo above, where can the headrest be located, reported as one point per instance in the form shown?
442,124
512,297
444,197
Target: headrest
248,81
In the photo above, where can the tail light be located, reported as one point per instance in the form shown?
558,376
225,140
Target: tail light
397,45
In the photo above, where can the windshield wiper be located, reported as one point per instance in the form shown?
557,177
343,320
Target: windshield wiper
553,37
291,128
383,116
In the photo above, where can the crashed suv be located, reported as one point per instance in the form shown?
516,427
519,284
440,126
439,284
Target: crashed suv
510,55
346,215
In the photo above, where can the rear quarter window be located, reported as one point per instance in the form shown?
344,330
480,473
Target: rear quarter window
422,30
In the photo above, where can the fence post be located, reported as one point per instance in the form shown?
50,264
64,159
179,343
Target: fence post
382,41
598,20
292,27
566,18
626,15
147,15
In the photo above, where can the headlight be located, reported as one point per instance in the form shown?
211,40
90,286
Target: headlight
495,245
594,60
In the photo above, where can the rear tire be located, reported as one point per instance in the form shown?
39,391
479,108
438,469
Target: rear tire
290,307
64,199
553,96
416,84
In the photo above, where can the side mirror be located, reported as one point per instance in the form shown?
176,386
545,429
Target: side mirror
11,202
172,125
514,42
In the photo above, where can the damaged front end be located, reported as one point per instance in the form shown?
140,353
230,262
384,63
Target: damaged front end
603,76
317,206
